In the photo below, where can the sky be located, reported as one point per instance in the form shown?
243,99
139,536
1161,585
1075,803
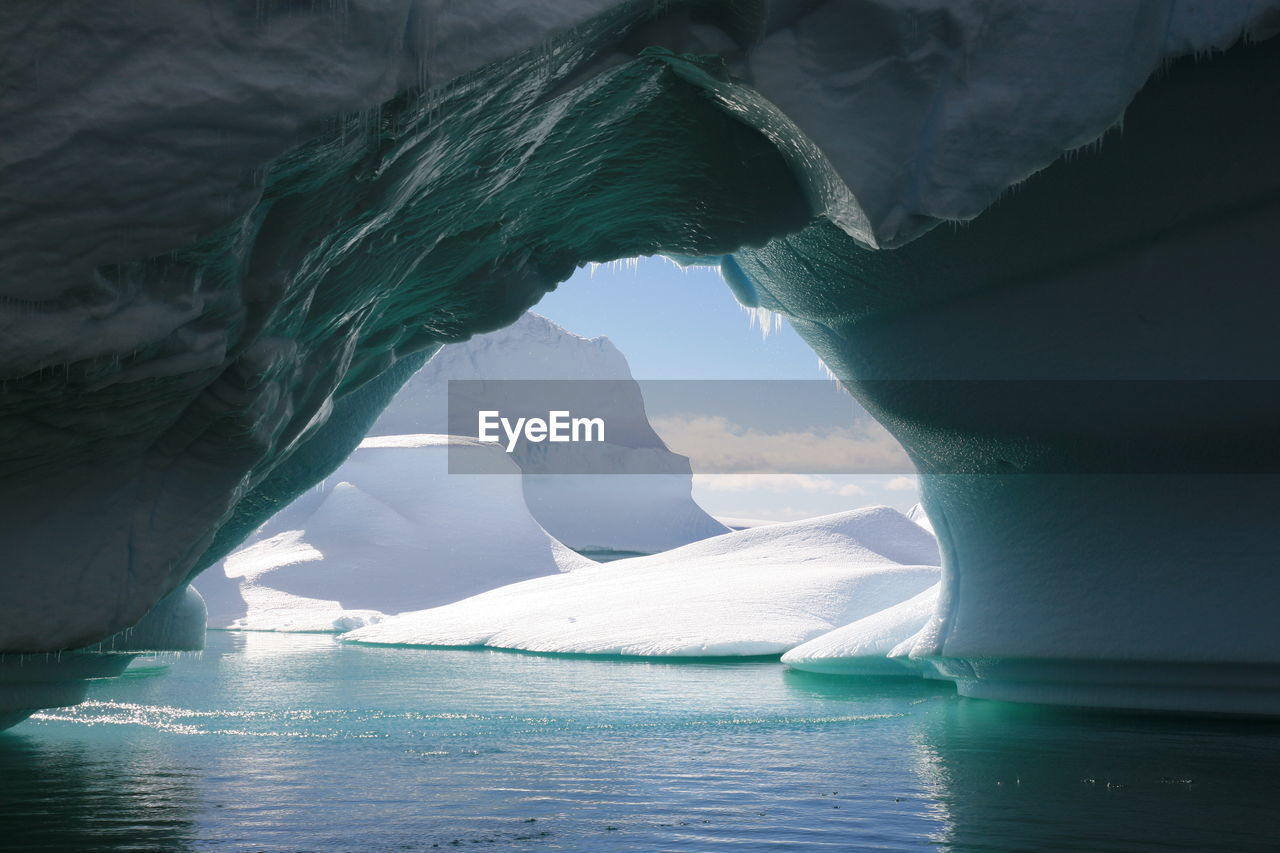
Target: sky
684,323
676,322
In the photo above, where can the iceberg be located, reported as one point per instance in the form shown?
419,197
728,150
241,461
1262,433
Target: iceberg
628,509
211,282
391,530
759,591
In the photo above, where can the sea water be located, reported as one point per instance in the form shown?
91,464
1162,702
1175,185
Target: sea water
298,742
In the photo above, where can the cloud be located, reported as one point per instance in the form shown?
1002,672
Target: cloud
717,445
902,484
775,483
773,513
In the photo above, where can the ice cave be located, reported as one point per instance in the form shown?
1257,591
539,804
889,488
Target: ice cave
1038,244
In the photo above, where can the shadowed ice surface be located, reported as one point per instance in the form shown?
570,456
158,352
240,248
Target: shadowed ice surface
295,742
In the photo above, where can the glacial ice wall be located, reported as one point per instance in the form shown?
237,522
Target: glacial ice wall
231,235
1085,376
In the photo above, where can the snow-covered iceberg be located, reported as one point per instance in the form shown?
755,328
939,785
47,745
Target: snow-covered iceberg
391,530
629,508
211,281
751,592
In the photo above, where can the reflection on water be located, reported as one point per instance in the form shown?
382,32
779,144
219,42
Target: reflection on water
1012,776
74,796
279,742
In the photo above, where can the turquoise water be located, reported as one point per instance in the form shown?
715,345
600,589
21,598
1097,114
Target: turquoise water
608,555
295,742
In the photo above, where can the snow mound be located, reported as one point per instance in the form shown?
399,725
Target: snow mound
760,591
619,511
391,530
878,644
268,609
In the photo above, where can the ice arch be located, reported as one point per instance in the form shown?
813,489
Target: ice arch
214,281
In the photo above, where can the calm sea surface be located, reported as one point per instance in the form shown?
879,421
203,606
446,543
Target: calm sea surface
280,742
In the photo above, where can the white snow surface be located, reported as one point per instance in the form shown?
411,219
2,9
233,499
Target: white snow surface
751,592
879,644
646,512
389,531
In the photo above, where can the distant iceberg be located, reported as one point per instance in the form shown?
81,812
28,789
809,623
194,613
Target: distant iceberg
618,511
392,531
385,533
760,591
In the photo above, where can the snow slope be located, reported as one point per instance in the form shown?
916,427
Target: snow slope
391,530
879,644
646,512
752,592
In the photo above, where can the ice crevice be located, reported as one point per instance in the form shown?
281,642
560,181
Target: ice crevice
231,236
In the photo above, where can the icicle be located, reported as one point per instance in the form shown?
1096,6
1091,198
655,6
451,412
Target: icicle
768,321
